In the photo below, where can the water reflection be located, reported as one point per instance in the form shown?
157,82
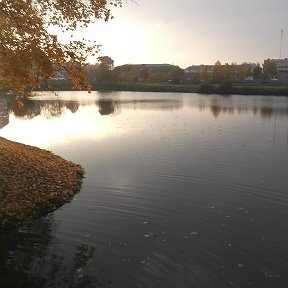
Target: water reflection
265,106
4,113
21,252
30,108
26,258
108,104
180,191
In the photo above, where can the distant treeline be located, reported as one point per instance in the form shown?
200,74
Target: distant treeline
244,79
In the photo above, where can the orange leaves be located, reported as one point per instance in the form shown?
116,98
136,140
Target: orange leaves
28,52
33,181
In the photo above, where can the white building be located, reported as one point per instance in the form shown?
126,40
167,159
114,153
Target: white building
282,69
282,64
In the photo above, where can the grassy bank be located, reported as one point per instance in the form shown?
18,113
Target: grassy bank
261,89
154,87
245,88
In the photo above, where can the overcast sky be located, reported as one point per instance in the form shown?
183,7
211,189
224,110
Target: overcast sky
186,32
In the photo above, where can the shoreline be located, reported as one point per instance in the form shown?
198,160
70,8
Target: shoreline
271,88
225,88
34,182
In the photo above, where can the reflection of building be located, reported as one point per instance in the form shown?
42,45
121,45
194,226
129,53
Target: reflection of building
110,106
4,114
106,107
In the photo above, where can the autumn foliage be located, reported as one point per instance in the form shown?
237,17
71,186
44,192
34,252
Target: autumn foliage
33,182
30,53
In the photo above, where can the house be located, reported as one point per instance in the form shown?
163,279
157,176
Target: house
61,74
282,69
145,72
192,73
196,68
228,71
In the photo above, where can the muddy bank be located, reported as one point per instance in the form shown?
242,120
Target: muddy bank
33,182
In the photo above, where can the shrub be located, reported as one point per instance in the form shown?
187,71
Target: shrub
206,88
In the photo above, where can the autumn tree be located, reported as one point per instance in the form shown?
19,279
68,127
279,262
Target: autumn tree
29,52
105,72
106,63
203,73
90,71
269,69
217,72
227,72
257,72
233,67
244,71
176,74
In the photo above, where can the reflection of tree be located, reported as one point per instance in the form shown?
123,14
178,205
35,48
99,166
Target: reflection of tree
26,259
53,109
266,112
29,108
215,109
159,105
110,106
24,108
20,249
4,121
4,114
82,255
106,106
72,106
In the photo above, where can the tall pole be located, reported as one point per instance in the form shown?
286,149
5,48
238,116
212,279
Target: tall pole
281,43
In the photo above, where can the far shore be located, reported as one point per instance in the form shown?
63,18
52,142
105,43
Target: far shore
240,88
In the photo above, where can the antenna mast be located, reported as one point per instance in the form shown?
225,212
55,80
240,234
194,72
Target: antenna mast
281,43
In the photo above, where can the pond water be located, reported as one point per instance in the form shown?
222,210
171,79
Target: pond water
180,190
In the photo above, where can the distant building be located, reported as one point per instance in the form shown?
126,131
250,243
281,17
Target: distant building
61,74
193,72
196,68
282,69
144,72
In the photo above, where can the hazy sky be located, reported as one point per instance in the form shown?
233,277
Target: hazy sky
186,32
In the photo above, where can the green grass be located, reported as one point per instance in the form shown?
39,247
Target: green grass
154,87
261,89
245,88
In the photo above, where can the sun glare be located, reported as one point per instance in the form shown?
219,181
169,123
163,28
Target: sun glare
68,128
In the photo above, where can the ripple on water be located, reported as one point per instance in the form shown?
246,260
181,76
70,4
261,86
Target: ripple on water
176,198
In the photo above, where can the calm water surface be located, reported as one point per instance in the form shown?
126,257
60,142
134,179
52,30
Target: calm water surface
180,190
